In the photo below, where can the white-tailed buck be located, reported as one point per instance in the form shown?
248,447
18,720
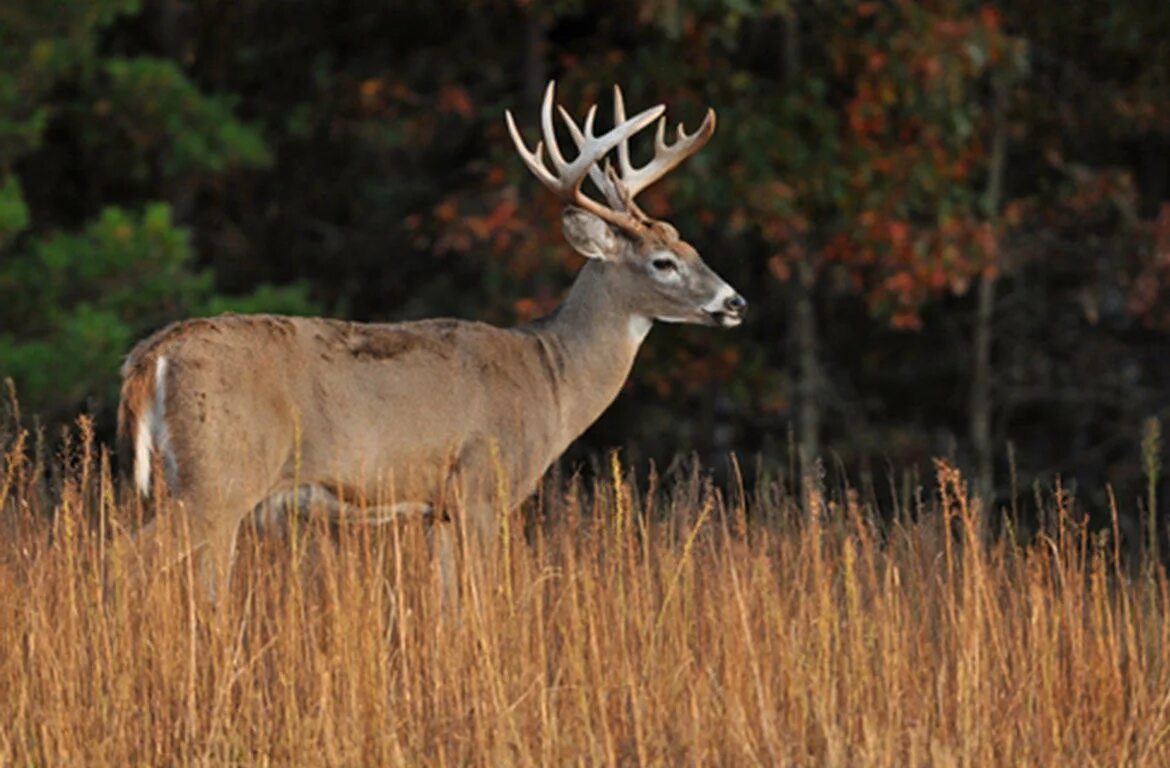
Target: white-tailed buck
233,410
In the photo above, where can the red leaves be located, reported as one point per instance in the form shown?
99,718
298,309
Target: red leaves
1147,292
898,233
897,264
900,205
527,308
454,98
370,94
778,266
988,242
461,230
499,219
446,211
991,18
906,320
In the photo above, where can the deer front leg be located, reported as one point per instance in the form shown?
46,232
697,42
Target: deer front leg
464,532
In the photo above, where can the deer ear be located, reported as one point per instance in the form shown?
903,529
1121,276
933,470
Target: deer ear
588,233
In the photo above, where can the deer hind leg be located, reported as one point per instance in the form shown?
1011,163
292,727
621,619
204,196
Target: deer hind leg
203,516
444,544
181,533
214,514
215,553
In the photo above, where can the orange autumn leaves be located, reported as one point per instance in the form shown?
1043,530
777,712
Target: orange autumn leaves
887,205
898,266
902,216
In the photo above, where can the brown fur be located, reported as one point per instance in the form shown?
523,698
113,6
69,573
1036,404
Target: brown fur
428,411
425,411
380,342
138,369
262,405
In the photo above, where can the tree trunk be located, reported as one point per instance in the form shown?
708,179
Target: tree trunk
981,405
808,381
804,319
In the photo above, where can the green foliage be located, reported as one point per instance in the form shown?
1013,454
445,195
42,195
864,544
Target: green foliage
292,299
38,48
13,210
150,105
73,299
77,302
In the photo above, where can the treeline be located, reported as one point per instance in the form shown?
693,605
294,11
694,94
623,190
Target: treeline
950,217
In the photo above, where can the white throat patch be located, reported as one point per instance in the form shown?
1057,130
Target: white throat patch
639,327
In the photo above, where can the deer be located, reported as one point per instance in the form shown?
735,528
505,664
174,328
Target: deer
227,412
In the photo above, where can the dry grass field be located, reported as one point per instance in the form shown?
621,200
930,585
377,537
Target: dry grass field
671,626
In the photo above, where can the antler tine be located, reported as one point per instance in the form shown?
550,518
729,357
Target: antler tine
531,159
619,114
535,160
568,176
546,129
595,171
666,157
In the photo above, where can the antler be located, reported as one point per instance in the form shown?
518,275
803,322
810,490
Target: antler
568,177
622,186
666,158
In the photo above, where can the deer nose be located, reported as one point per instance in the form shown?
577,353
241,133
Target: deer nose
737,305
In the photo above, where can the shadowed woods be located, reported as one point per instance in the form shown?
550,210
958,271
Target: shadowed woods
972,198
952,220
637,620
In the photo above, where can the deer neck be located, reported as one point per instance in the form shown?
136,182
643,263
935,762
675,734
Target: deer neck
594,335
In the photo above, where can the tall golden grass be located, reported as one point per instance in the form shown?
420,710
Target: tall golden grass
666,627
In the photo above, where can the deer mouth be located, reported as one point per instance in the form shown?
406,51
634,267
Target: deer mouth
725,319
727,309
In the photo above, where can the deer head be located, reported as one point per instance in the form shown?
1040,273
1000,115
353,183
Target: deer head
671,281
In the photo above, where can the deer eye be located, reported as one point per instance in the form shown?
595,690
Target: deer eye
665,265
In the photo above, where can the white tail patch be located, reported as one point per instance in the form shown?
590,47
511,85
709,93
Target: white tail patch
152,435
142,454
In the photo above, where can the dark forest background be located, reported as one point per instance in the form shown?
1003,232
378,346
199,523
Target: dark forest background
952,219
